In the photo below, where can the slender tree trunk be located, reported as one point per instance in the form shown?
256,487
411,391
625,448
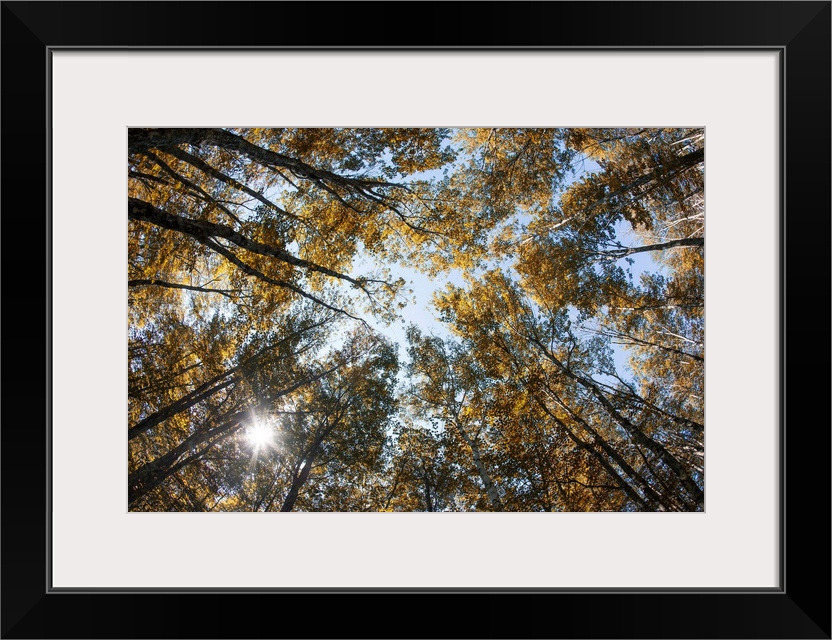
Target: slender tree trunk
175,285
659,246
395,486
297,482
183,404
672,169
488,483
627,338
302,476
428,497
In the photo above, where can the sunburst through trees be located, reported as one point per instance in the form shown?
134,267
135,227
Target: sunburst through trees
274,364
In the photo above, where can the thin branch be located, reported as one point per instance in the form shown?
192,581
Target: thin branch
173,285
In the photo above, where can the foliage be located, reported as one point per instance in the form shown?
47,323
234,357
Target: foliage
257,258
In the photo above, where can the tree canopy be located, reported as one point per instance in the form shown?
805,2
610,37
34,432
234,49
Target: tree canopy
566,374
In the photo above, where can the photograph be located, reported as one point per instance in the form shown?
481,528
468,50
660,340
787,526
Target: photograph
447,319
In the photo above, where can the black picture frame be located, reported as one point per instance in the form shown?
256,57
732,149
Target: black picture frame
800,608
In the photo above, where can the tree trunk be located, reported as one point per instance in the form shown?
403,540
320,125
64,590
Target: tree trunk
488,483
300,478
297,482
659,246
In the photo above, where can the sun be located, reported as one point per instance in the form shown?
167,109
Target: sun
260,434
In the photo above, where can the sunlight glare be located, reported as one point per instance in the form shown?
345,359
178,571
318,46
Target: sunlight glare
260,434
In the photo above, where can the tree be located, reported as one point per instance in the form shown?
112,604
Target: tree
445,389
421,474
328,438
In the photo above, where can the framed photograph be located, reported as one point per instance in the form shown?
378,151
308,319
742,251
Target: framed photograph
611,435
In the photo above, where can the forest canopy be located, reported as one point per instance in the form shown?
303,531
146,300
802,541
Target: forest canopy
268,270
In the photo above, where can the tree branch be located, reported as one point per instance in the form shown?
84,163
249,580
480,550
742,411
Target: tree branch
173,285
